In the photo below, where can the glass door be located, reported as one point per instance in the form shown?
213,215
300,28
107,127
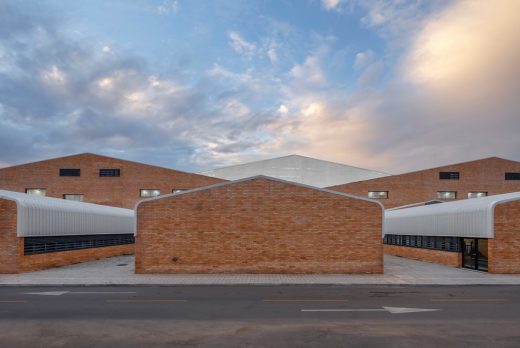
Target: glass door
475,254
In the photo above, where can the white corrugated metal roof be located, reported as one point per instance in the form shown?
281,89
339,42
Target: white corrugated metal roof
465,218
46,216
296,168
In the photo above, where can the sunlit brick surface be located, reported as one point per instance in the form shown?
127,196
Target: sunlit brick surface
120,191
486,175
504,249
259,226
9,251
447,258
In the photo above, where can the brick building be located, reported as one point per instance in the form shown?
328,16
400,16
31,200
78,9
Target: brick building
259,225
98,179
41,232
481,233
489,176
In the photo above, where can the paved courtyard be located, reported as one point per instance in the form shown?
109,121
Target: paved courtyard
120,271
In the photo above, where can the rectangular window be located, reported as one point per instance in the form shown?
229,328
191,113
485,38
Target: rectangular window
70,172
449,175
446,195
512,176
43,245
110,172
36,191
179,190
378,194
425,242
476,194
150,192
73,197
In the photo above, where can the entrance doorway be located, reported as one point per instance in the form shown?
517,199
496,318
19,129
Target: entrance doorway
475,254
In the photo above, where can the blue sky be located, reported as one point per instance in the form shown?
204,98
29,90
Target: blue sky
391,85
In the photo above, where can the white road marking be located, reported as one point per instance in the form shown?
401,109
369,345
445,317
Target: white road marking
146,301
393,310
59,293
304,300
47,293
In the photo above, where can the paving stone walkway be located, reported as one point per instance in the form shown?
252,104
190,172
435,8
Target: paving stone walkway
120,271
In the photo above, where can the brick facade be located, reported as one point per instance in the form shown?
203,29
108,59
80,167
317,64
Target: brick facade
486,175
123,191
504,249
9,251
13,260
447,258
36,262
259,225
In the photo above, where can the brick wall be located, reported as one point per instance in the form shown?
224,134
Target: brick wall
120,191
485,175
259,226
31,263
504,249
447,258
9,251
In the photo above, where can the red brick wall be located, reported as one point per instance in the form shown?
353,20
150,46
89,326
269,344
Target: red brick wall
120,191
259,226
483,175
9,251
436,256
504,249
31,263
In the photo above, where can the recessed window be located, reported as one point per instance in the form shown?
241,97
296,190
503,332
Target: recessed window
512,176
179,190
378,194
110,172
449,175
447,195
36,191
477,194
73,197
150,192
70,172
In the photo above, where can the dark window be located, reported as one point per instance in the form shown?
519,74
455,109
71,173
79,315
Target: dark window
42,245
512,176
425,242
110,172
70,172
449,175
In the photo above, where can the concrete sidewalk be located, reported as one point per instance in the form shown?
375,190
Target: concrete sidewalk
120,271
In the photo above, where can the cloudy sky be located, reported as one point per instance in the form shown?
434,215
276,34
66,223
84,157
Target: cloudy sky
391,85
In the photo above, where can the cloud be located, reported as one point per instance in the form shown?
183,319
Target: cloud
241,45
59,97
454,98
331,4
167,8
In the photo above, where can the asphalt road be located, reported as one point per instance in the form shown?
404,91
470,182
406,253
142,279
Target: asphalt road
260,316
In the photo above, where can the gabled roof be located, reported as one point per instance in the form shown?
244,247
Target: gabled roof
46,216
93,155
465,218
296,168
256,177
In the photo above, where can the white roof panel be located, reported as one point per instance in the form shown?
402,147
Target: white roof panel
465,218
46,216
299,169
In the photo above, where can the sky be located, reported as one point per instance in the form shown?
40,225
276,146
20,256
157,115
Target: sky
390,85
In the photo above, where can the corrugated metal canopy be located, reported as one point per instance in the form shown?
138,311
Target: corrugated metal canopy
465,218
45,216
